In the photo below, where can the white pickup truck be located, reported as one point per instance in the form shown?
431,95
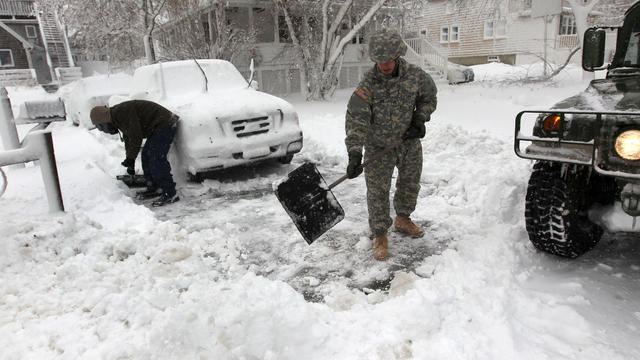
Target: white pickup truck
223,121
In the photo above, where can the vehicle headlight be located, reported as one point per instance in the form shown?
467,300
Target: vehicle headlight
552,122
628,145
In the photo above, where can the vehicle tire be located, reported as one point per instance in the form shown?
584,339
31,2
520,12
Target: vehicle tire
285,159
197,177
558,199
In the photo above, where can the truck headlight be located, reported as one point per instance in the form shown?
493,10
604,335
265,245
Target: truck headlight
628,145
552,123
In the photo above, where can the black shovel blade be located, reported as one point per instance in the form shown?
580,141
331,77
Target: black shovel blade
309,202
133,181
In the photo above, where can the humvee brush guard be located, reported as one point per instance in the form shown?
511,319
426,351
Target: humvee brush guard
587,147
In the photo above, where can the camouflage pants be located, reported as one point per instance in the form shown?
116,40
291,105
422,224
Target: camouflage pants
408,159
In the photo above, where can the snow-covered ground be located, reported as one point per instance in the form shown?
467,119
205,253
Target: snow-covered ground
224,274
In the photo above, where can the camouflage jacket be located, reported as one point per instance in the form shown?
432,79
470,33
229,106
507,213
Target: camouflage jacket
138,119
381,108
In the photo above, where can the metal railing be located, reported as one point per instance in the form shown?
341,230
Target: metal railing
37,145
17,7
566,41
429,54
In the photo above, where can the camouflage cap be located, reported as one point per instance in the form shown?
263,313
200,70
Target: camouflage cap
385,46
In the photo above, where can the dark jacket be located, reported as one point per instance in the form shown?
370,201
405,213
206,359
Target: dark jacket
138,119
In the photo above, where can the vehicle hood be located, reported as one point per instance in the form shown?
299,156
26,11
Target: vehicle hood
602,95
225,104
615,94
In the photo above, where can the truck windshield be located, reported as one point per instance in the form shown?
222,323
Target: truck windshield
632,55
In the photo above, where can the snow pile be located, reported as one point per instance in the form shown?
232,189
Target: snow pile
215,276
496,72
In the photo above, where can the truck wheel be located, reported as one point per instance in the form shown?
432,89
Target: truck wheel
285,159
197,177
556,210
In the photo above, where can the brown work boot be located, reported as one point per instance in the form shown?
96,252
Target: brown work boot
405,225
380,245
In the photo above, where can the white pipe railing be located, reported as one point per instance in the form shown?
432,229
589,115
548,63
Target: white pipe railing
429,54
36,146
8,130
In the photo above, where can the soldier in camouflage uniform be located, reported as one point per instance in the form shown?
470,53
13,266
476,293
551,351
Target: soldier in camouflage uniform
392,103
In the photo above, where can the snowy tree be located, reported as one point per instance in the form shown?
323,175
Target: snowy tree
118,29
201,29
581,13
319,32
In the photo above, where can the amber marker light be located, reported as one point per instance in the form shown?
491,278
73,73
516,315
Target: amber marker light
628,145
552,123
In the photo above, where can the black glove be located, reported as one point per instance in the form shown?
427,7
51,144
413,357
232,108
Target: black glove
416,129
355,164
130,165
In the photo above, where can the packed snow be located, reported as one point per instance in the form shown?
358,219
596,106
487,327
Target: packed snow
224,274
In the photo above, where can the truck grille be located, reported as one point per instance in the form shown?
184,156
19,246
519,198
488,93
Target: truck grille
251,127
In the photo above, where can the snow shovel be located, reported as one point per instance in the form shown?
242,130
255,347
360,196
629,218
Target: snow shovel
308,200
133,181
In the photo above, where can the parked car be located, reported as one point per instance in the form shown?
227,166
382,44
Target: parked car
457,74
82,95
223,121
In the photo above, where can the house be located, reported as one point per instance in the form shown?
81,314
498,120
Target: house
269,44
507,31
31,42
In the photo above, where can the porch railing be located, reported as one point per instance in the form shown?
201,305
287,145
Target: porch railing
566,41
18,7
429,54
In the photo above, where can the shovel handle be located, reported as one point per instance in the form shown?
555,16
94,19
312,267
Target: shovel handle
369,161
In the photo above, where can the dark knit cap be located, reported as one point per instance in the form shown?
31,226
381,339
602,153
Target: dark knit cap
100,115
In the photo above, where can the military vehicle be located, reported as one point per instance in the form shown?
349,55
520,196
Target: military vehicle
586,147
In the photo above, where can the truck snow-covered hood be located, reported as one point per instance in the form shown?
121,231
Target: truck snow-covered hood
225,104
615,94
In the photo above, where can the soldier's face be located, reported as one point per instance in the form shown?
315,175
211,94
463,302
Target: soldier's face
387,68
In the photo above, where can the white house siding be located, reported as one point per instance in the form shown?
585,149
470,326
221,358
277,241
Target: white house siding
524,42
472,47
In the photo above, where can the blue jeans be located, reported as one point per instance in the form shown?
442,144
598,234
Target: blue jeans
155,165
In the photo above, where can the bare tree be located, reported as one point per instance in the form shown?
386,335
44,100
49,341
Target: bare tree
319,32
201,29
117,29
150,14
581,14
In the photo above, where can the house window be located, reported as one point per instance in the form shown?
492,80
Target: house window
567,25
6,58
501,29
31,31
527,4
495,29
444,34
454,33
424,33
263,25
493,58
283,30
450,34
